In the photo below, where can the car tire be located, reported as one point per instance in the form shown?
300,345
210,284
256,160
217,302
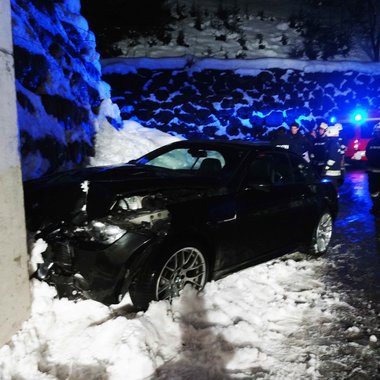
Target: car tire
321,235
166,273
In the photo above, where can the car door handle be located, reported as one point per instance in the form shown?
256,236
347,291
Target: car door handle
227,220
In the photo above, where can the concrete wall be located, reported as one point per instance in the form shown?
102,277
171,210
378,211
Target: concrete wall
14,282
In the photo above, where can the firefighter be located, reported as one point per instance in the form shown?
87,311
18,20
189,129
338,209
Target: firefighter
373,156
333,166
318,153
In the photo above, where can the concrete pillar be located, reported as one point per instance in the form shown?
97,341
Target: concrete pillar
14,283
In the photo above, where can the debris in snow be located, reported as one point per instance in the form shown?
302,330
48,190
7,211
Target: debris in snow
353,332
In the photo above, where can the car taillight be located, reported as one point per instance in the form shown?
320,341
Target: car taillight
356,144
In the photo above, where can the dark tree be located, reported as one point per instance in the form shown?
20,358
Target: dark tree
326,30
366,16
116,19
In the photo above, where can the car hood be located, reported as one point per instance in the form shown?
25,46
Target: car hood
114,174
135,179
60,196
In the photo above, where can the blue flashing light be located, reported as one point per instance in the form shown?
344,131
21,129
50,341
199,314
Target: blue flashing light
359,116
332,119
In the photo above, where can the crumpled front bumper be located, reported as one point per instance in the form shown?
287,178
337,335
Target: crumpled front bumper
58,270
103,275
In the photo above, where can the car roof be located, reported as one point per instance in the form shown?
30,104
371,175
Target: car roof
245,144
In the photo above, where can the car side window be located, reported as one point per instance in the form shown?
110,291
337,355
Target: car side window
260,170
302,171
282,172
270,168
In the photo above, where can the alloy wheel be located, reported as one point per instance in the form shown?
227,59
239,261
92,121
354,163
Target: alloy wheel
186,266
323,233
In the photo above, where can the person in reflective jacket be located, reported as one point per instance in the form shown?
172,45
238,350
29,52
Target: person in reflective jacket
318,151
373,169
333,167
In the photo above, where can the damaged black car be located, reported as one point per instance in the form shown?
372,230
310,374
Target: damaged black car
184,214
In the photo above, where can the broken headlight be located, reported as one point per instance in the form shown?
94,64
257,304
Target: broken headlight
104,232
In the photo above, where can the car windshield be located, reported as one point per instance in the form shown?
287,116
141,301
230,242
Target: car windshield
212,162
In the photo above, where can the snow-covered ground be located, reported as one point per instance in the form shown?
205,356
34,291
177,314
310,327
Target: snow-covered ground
264,322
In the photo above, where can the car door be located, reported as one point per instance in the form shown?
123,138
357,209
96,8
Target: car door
268,202
305,186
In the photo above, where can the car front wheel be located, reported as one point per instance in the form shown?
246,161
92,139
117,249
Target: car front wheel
164,276
322,235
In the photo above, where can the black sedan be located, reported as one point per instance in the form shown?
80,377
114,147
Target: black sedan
186,213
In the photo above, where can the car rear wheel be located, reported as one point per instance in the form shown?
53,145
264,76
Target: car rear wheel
165,275
322,235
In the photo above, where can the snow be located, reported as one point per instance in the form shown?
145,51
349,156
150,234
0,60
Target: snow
262,322
114,146
240,66
263,25
252,322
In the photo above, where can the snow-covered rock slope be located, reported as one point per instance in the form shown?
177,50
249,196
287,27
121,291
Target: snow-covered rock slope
58,83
